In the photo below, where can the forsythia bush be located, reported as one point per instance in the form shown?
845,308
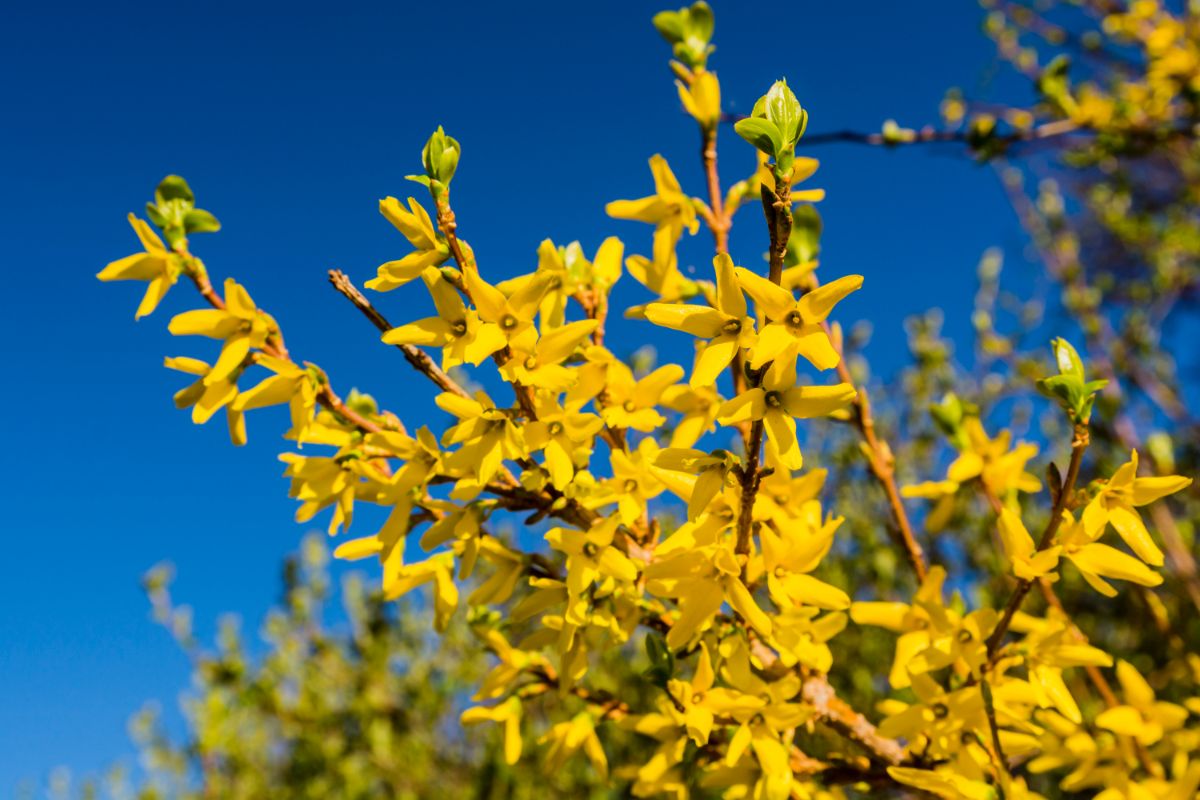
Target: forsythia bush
681,519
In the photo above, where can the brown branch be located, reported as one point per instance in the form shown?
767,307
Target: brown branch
720,222
882,464
415,356
1079,444
841,717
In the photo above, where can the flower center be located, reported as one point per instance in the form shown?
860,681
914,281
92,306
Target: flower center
774,399
628,405
940,710
458,328
590,549
508,322
556,428
631,485
965,636
531,363
732,326
793,319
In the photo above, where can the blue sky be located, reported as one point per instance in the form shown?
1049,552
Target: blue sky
290,123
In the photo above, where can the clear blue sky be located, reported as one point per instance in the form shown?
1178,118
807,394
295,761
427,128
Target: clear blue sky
291,122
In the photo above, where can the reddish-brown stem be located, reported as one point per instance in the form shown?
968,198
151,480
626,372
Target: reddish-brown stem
1079,444
720,222
418,358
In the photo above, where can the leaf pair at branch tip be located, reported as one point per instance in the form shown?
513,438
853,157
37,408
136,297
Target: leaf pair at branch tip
1070,386
775,126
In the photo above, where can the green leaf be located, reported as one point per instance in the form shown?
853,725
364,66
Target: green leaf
761,133
700,21
1067,358
200,221
783,109
154,215
670,25
440,156
173,187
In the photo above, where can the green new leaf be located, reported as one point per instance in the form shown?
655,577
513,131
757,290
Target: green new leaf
155,216
1070,387
689,30
1066,357
173,187
440,156
761,133
662,660
783,109
670,25
200,221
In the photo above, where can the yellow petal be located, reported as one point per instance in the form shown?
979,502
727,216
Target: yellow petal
743,602
817,401
816,305
697,320
1147,490
1112,563
773,301
1131,528
730,299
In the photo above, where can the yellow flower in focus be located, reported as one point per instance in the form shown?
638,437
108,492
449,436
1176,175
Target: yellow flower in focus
632,404
487,434
512,314
726,326
794,326
417,227
541,365
565,436
462,335
779,402
591,556
702,581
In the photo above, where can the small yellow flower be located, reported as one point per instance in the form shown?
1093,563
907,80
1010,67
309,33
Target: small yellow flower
207,398
794,326
240,324
1143,716
779,402
507,714
1116,503
417,227
462,335
726,325
1096,561
157,265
